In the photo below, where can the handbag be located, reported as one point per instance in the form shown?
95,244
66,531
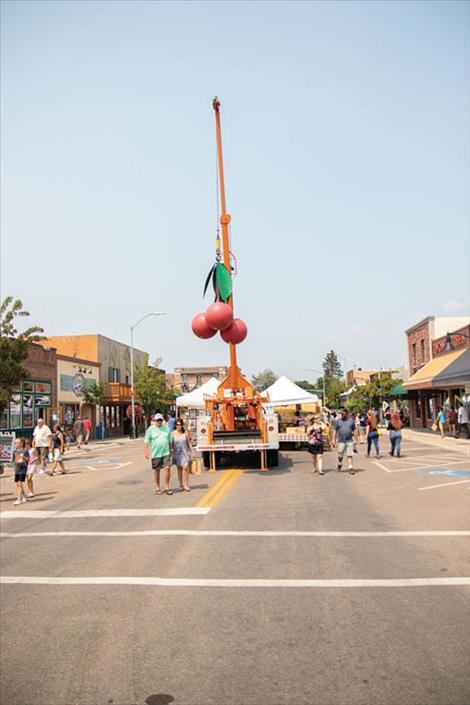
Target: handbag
434,427
195,466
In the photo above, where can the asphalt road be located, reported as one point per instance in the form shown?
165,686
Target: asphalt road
279,588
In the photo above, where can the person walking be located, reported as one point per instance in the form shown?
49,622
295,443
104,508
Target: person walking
395,425
440,420
42,435
171,422
462,421
86,429
452,419
182,453
57,448
362,427
32,464
20,464
78,431
158,444
345,439
316,443
372,433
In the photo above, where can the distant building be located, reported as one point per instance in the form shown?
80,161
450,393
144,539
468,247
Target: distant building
114,359
440,366
185,379
360,377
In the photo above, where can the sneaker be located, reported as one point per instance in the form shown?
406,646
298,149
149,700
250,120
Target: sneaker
378,457
30,495
23,500
41,472
320,472
339,468
352,472
18,502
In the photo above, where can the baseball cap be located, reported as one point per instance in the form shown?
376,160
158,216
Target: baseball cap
158,417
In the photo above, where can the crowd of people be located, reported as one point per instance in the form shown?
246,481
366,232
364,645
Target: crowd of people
455,421
344,432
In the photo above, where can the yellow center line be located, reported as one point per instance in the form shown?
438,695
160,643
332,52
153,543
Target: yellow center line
213,490
216,498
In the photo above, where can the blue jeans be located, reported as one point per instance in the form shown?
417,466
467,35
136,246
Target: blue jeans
373,438
395,440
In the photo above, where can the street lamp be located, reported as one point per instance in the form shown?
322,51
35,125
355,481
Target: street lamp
311,369
449,346
160,313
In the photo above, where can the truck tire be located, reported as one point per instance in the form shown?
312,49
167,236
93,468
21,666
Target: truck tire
273,458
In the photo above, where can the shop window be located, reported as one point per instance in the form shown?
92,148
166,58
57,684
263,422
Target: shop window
118,416
113,417
28,386
4,418
418,408
43,387
15,411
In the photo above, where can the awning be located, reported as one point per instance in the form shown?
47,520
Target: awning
398,391
449,370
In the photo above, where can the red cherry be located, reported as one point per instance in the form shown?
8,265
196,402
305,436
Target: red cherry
236,333
201,328
219,315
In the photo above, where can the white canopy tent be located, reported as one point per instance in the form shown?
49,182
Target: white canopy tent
284,393
195,399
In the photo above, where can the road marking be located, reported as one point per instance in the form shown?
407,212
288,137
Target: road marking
443,484
241,534
416,467
215,499
206,499
235,583
175,511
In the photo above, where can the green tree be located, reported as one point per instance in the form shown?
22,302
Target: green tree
334,388
308,386
14,347
331,366
151,390
378,390
94,394
263,380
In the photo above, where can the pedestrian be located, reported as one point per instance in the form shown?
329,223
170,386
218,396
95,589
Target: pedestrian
86,429
362,427
372,433
171,422
57,448
395,425
42,435
68,437
316,443
440,420
78,431
20,463
452,418
462,421
158,442
182,453
32,465
345,438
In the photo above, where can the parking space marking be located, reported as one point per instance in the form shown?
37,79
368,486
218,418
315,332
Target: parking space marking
444,484
416,467
236,583
44,514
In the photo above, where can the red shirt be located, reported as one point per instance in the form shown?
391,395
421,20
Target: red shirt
87,425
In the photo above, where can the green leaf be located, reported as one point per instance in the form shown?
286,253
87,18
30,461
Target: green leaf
223,281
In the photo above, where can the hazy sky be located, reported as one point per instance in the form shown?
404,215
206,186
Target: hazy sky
346,145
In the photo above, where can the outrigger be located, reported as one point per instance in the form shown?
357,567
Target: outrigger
236,420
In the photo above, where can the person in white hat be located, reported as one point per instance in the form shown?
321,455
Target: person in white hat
158,446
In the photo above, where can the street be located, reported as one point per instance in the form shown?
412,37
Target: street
275,588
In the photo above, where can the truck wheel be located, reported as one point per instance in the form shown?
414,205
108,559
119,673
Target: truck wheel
273,458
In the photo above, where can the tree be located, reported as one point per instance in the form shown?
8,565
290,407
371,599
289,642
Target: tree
263,380
331,366
151,390
94,394
373,393
334,388
14,347
308,386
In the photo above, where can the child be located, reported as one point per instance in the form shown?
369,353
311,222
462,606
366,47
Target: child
33,458
20,460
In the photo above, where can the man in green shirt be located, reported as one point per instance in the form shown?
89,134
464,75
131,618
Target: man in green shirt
158,443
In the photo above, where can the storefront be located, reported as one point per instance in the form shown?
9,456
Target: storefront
442,382
73,376
30,401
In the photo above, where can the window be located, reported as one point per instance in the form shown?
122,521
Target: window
28,387
43,387
423,351
418,408
114,374
127,379
15,411
414,355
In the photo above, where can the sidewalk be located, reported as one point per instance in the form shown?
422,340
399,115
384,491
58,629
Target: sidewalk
435,439
95,445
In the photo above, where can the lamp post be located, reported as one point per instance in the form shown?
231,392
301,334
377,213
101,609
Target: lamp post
160,313
449,346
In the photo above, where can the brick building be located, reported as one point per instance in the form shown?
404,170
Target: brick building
440,367
185,379
35,397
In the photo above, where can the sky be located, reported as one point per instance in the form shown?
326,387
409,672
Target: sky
346,151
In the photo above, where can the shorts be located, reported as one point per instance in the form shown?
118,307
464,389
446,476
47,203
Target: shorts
43,452
57,455
315,448
32,469
159,463
346,449
20,476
